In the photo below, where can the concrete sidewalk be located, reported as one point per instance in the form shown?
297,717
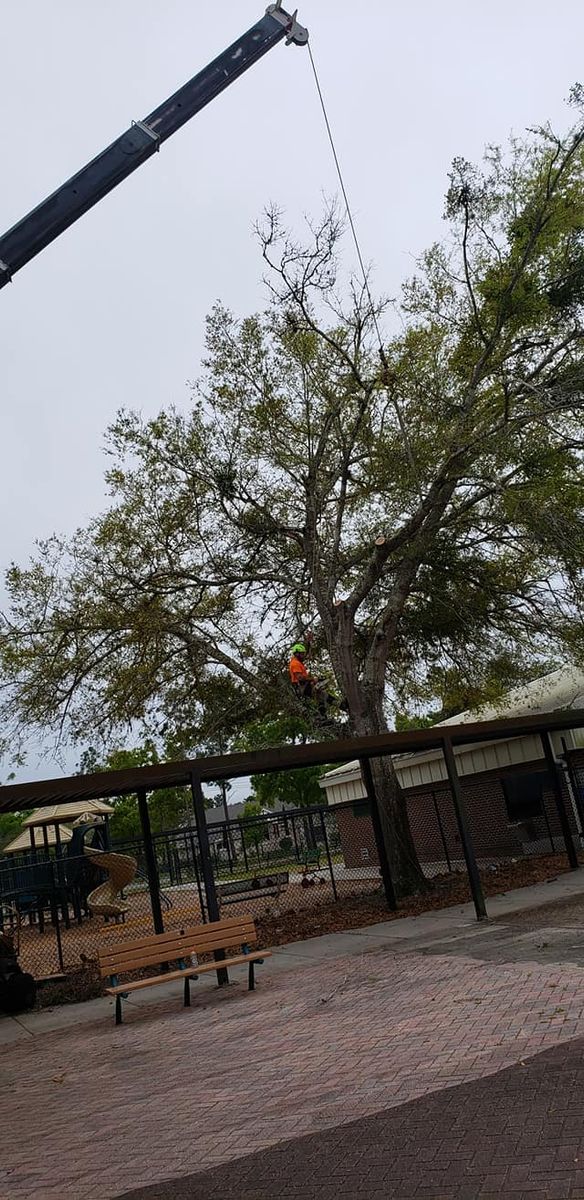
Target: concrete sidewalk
438,930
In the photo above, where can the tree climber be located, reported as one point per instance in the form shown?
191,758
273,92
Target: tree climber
306,686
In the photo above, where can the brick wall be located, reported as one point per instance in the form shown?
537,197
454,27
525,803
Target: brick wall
356,833
434,827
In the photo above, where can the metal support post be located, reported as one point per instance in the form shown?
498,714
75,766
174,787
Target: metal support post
243,845
463,828
55,920
547,822
151,866
442,834
207,865
367,777
295,837
556,780
328,855
573,789
197,877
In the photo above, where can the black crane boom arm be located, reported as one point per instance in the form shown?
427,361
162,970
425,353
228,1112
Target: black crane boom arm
50,218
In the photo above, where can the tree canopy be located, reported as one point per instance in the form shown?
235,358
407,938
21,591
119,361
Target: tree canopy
423,509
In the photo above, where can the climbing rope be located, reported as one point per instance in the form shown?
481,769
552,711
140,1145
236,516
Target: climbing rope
350,218
345,195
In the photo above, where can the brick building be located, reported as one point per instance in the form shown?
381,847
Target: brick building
508,794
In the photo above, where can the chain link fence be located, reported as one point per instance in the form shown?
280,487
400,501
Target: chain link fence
270,866
43,904
284,868
263,865
508,817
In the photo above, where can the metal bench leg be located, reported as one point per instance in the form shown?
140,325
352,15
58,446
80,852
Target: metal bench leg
118,1010
187,992
251,977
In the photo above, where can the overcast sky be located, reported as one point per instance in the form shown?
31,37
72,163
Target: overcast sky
112,314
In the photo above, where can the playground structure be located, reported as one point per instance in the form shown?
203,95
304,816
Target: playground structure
104,900
46,869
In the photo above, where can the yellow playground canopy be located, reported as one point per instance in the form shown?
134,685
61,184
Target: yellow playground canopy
23,842
55,814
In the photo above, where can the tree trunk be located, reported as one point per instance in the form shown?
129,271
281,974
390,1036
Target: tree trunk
405,868
366,716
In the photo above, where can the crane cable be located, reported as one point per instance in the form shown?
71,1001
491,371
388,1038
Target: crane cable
382,355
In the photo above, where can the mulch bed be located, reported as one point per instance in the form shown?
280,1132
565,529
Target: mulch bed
84,983
444,891
349,912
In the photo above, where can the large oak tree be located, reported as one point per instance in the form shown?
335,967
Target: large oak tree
421,508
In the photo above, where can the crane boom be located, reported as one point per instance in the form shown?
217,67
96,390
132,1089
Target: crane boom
50,218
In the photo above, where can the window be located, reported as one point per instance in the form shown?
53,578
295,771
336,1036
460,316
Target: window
361,808
524,795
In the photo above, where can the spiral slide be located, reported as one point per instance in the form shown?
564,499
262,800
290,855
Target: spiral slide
104,900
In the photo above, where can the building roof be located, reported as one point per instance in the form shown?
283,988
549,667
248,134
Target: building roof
215,815
561,689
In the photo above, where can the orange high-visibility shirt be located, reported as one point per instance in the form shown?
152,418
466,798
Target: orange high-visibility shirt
297,669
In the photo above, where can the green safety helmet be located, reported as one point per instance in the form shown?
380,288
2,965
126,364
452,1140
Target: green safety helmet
299,648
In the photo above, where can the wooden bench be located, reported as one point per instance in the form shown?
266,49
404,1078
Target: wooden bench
177,946
250,889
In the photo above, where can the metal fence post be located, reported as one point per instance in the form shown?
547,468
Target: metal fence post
207,865
441,829
229,845
367,777
463,828
547,821
55,921
197,877
243,845
574,790
328,855
151,866
204,848
552,765
295,838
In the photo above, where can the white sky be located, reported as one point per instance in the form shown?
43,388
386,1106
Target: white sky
112,313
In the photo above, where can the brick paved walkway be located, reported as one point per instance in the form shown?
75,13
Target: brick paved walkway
517,1134
96,1111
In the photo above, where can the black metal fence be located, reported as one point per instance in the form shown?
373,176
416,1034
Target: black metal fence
265,864
43,903
284,865
272,866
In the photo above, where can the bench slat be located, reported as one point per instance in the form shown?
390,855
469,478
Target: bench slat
203,968
121,966
132,955
137,984
157,939
131,959
186,931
